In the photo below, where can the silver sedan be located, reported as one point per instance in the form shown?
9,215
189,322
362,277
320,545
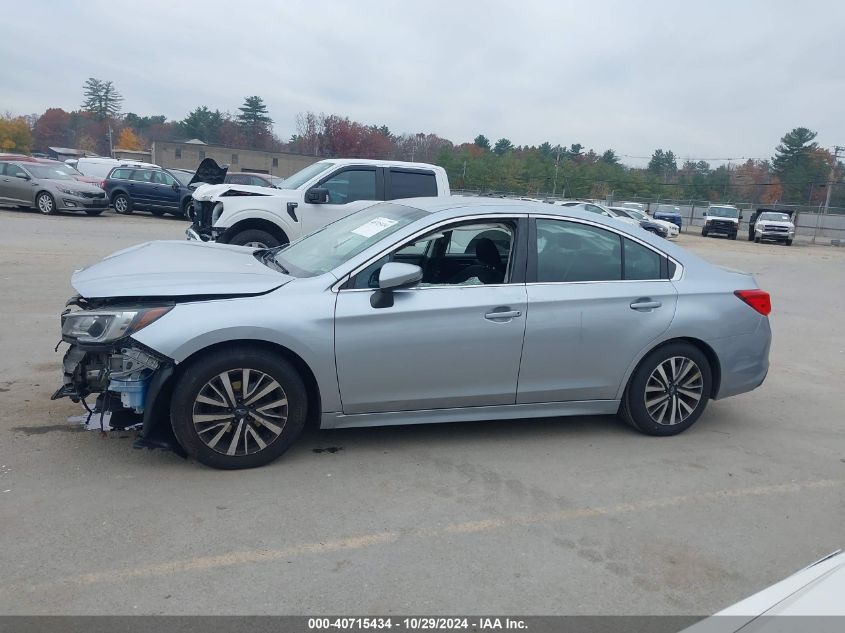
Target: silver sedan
428,310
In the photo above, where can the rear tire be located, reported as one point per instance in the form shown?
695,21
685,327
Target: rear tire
242,431
255,238
788,242
668,391
45,203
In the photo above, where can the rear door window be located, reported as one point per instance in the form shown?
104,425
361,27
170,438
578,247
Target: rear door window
121,174
411,184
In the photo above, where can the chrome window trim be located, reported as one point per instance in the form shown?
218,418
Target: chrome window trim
501,217
679,269
678,266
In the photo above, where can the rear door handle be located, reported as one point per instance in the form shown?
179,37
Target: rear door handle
509,314
645,304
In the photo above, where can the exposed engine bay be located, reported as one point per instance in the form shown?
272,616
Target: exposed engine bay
125,377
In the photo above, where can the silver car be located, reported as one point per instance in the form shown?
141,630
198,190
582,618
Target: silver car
48,188
428,310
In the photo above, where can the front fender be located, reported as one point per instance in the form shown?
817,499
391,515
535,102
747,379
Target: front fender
228,219
300,322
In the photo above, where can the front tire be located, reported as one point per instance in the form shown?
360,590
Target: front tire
703,231
255,238
756,240
240,408
733,236
122,204
668,391
45,203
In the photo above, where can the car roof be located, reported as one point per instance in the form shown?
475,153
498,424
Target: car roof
378,163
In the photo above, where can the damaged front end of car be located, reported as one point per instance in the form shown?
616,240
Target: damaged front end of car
126,378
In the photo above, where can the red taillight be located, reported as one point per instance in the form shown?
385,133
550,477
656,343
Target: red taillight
757,299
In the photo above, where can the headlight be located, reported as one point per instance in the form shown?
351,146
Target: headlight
104,326
72,192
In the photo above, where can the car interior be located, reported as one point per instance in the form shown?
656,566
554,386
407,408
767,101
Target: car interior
466,254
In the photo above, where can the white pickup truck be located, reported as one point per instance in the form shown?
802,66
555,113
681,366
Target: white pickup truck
306,201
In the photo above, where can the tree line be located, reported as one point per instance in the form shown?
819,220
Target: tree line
797,173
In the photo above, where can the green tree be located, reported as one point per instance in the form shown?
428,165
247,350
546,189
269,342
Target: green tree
609,157
502,146
254,113
800,165
663,163
482,141
203,124
101,98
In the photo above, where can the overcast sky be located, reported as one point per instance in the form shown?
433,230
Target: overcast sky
714,79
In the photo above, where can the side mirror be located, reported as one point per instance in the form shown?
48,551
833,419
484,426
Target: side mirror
175,186
317,195
394,276
22,175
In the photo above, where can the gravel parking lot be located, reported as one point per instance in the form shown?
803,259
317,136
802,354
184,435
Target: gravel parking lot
556,516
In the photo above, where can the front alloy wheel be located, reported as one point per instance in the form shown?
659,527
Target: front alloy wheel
240,412
668,391
238,408
45,203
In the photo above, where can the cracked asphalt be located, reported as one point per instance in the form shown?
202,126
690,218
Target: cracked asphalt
555,516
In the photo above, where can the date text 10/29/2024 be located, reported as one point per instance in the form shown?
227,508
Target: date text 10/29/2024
417,623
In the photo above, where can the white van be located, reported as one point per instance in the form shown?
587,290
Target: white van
98,167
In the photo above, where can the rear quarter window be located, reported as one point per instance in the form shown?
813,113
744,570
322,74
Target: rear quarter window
412,184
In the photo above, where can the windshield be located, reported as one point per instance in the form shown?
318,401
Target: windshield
48,171
633,213
304,175
723,212
774,217
340,241
183,177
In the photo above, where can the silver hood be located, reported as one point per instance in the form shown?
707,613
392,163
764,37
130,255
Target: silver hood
178,268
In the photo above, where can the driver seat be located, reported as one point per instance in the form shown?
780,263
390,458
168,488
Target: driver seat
490,268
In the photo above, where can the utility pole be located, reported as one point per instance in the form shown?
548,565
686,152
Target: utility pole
557,164
836,151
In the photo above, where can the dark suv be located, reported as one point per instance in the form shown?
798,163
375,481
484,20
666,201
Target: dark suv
152,189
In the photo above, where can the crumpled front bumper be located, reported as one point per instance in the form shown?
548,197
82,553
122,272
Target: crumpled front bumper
128,381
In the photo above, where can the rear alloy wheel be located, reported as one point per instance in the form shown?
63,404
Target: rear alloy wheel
44,202
669,390
122,204
255,238
238,409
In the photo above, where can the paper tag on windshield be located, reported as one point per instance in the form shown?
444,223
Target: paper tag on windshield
376,225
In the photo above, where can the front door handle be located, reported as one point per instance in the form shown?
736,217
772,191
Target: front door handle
509,314
645,304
